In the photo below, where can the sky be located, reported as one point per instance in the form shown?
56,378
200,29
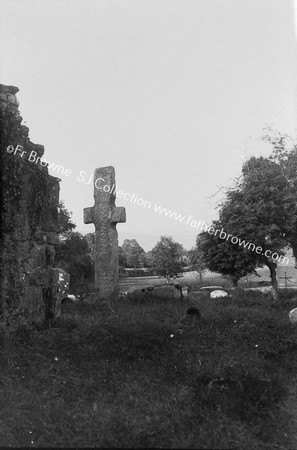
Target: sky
175,94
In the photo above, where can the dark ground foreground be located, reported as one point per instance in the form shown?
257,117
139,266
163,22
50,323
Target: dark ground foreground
147,376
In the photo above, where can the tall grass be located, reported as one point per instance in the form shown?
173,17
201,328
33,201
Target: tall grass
149,376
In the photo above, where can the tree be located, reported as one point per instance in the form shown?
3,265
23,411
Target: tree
285,155
73,255
196,261
263,211
167,258
133,253
122,258
149,259
75,252
260,211
65,224
223,257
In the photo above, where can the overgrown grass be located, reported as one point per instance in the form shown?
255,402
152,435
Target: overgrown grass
149,376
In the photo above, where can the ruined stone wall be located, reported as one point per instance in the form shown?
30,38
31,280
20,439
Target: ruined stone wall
28,230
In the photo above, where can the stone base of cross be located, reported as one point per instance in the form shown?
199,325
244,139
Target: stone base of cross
105,215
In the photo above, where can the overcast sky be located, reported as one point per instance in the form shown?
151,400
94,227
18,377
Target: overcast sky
174,94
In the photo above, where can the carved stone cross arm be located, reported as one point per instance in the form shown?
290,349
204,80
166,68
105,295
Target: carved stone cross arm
88,215
118,215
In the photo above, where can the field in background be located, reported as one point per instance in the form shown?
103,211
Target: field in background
148,375
188,279
192,280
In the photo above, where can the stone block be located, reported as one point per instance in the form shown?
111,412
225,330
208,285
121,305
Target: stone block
293,316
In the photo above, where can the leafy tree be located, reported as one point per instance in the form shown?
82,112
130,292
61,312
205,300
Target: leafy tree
73,255
65,224
260,211
167,258
268,211
143,260
75,252
133,253
122,258
149,259
222,256
285,155
196,261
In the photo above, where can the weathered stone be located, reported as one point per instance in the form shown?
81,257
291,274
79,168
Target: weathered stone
185,291
218,294
105,215
293,315
29,213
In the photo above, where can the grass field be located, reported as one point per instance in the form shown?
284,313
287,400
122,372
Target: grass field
149,376
188,279
192,280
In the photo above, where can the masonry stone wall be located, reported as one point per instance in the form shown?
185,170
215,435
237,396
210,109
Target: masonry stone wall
28,230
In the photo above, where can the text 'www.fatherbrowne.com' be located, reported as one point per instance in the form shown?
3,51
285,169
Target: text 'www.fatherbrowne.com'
137,200
222,234
187,220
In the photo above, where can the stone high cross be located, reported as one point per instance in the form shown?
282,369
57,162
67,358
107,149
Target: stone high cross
105,215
